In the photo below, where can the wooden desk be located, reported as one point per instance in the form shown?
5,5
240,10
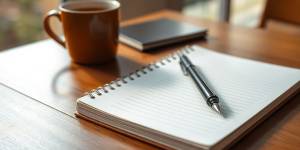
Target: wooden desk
39,86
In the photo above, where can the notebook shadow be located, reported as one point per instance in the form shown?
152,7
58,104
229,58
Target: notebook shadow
177,45
280,121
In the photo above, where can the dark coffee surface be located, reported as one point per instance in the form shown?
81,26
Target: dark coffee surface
90,8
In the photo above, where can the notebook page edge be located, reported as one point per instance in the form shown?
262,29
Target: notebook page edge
130,123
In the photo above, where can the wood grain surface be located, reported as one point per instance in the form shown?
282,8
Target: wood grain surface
43,72
28,124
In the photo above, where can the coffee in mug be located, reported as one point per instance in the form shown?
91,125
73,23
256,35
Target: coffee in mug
90,27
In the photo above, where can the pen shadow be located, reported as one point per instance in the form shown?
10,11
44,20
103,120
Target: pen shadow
225,109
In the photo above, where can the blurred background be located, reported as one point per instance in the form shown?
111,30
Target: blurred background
21,20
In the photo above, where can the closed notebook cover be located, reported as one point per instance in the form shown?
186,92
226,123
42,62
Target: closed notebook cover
159,32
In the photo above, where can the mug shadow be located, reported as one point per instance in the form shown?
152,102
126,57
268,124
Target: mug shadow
56,79
80,78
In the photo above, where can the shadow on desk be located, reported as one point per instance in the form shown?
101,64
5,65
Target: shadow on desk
177,45
85,78
275,127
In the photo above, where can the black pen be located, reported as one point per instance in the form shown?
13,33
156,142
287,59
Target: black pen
188,68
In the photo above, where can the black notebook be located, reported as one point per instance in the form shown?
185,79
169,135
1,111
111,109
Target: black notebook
160,32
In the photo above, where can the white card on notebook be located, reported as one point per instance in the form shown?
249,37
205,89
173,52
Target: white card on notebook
164,107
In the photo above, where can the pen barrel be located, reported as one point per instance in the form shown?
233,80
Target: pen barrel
209,96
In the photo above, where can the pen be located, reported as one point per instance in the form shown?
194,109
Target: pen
188,68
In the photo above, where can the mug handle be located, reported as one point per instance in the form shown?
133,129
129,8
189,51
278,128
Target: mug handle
53,13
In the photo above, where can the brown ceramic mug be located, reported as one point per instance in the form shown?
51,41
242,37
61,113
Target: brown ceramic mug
90,27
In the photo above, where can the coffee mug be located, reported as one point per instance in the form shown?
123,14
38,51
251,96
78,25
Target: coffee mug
90,27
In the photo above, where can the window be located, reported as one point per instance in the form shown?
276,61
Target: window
21,21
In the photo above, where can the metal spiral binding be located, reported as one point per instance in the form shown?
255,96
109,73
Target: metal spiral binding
137,74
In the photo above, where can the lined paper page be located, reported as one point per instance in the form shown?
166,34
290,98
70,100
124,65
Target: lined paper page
168,101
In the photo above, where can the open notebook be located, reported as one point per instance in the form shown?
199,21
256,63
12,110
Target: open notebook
158,104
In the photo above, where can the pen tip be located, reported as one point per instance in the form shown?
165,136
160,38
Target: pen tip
216,108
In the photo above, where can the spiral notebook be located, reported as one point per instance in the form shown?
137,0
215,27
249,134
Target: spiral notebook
159,105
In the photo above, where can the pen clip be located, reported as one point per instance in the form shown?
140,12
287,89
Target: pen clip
183,68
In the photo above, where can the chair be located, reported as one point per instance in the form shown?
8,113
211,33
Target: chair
287,11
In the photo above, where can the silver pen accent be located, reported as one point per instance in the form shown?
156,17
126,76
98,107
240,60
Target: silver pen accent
188,68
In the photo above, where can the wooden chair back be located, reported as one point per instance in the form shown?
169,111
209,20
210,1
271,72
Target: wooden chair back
287,11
